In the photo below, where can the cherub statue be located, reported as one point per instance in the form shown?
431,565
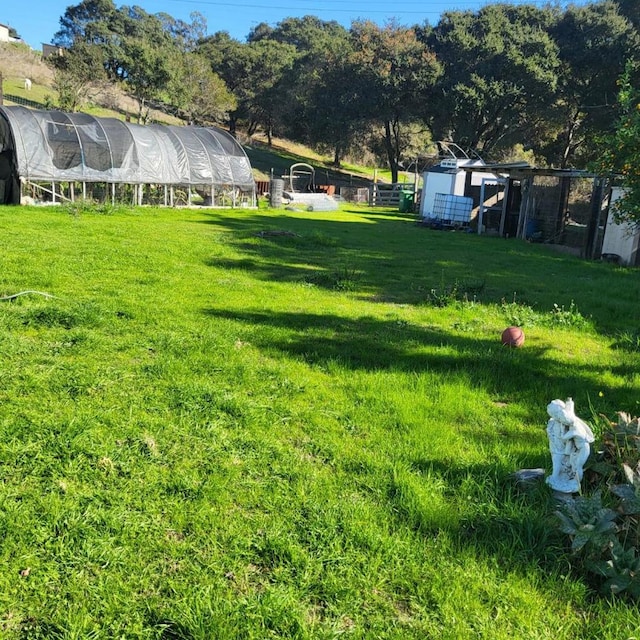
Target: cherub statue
569,443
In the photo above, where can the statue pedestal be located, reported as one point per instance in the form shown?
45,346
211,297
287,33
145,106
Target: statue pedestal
566,484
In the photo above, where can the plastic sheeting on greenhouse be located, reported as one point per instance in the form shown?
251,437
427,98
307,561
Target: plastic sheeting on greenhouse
77,147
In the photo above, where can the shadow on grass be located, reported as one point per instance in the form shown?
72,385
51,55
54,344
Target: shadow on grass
378,252
386,257
391,259
371,344
383,212
513,524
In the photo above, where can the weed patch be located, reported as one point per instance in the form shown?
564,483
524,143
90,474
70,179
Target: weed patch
342,278
466,290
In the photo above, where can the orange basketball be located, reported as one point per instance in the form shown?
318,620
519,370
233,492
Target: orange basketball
513,337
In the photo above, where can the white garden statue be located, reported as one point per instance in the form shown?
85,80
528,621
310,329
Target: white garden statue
569,443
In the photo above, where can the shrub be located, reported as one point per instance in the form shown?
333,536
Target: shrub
604,526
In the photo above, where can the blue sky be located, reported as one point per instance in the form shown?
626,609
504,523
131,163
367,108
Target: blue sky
37,20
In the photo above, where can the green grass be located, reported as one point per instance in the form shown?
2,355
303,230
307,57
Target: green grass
218,431
39,93
277,161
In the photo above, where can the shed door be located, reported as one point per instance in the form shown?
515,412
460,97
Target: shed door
9,188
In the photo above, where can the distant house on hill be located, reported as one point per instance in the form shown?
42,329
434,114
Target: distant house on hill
8,34
51,50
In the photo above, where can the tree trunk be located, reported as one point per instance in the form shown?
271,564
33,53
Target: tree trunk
269,131
233,125
337,156
143,111
569,134
391,156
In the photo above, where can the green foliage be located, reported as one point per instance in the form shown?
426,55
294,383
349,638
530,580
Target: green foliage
148,54
628,341
590,525
523,315
629,494
487,79
622,571
520,314
568,317
619,151
258,74
81,207
342,278
607,539
500,69
467,290
394,73
631,10
620,448
323,107
516,313
78,74
594,42
198,94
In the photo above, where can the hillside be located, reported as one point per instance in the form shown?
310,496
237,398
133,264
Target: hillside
277,160
18,62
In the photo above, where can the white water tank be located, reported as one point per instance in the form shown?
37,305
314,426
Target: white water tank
447,177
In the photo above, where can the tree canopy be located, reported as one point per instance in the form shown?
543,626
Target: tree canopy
537,78
395,73
500,71
619,151
594,43
149,54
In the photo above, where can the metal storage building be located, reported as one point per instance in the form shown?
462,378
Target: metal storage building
51,156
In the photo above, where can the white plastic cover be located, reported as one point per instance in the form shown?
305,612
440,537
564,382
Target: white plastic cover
60,147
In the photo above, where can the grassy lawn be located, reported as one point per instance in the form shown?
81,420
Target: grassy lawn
269,424
39,93
277,160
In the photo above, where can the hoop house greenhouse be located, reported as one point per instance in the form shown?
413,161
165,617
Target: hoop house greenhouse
50,156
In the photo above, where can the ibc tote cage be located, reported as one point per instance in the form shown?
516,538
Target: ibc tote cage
52,157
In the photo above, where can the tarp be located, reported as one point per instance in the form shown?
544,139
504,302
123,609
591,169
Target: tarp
60,147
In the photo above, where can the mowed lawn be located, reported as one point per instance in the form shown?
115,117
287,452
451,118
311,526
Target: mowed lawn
274,424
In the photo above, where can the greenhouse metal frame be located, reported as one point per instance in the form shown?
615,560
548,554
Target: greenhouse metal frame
52,157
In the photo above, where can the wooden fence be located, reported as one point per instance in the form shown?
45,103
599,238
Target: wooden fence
376,195
388,195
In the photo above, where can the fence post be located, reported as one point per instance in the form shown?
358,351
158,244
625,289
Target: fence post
597,196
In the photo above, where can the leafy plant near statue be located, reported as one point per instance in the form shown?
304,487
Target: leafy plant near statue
620,154
604,523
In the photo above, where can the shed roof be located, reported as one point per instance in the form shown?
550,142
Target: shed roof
521,170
